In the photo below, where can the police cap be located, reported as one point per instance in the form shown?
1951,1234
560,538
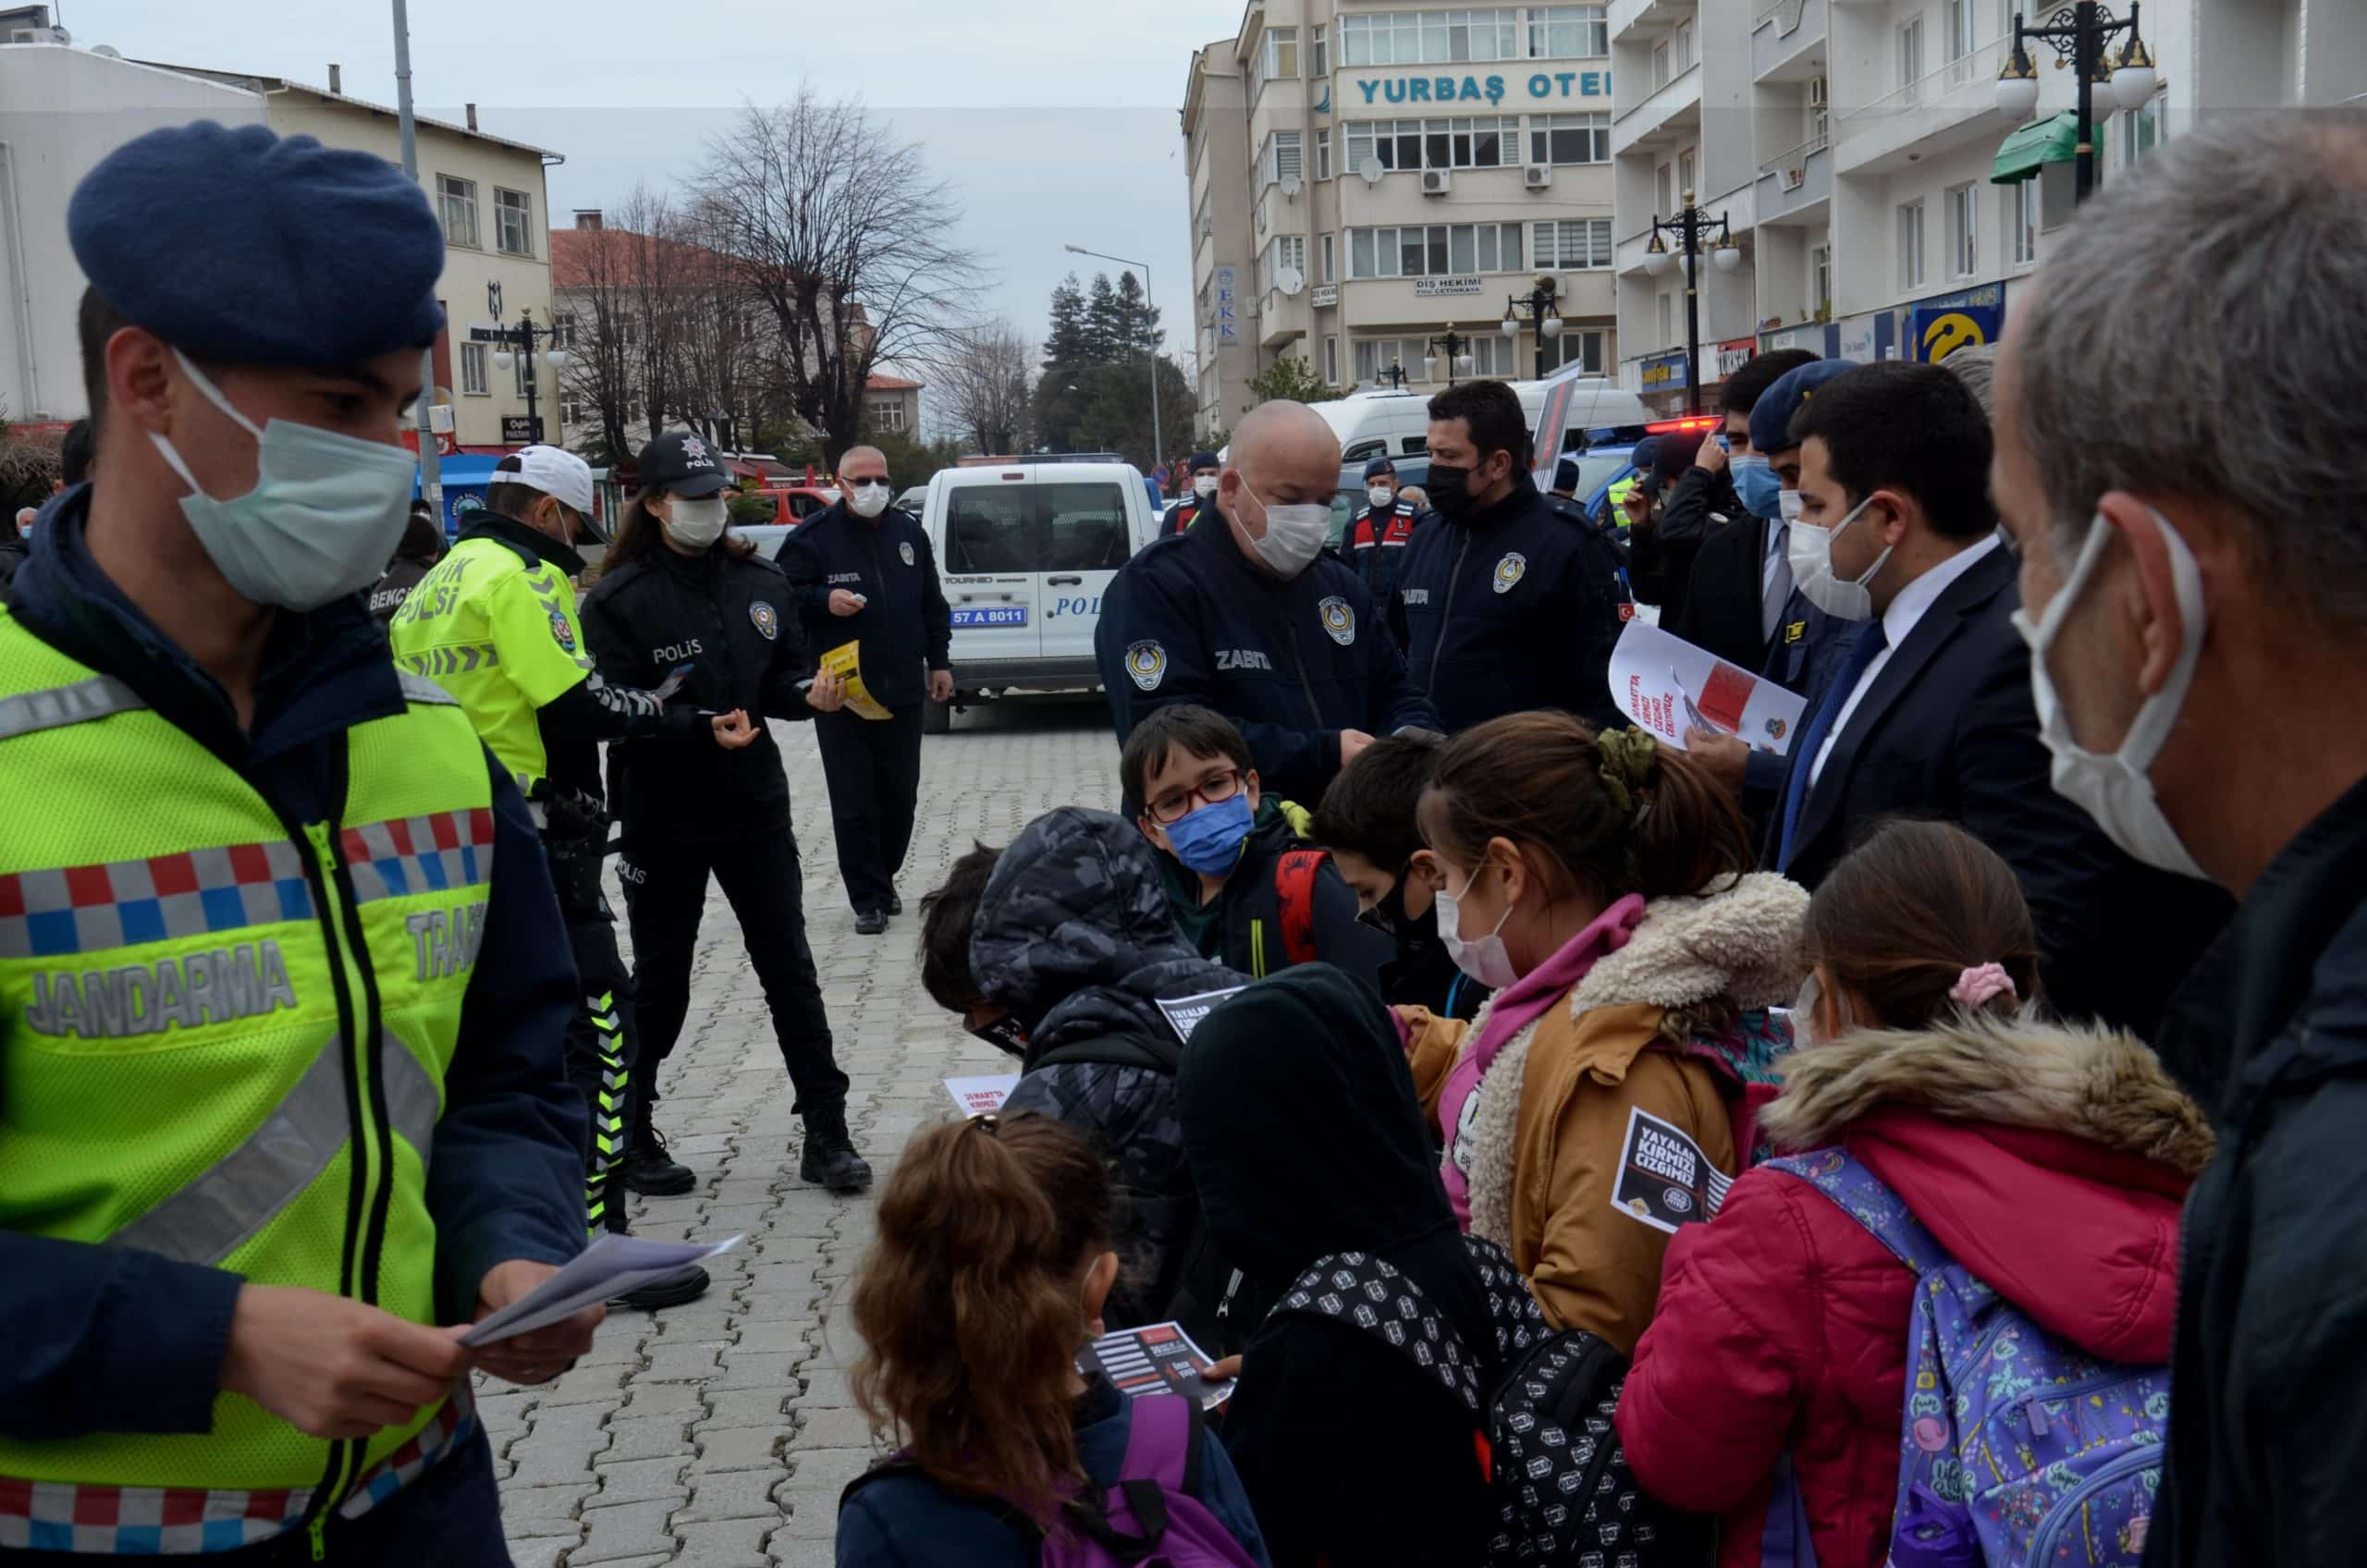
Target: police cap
681,463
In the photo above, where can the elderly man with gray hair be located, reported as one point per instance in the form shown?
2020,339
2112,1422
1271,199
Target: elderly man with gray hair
2175,461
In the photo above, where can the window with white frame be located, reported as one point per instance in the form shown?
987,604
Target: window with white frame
1964,21
1570,244
1331,259
2021,221
1664,314
1820,115
1319,52
1278,57
1323,155
2142,131
513,216
1281,158
1430,38
1664,191
1285,250
1910,57
1685,171
1560,32
1493,354
457,202
1821,280
1579,347
1375,355
886,414
1569,139
1436,250
1963,241
1332,361
474,383
1681,51
563,329
572,411
1483,141
1659,65
1910,244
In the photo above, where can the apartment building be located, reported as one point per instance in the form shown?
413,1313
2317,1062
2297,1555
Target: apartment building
1371,183
1855,152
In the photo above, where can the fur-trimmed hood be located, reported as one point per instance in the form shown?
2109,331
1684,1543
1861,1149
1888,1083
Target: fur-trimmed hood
2100,1085
1741,944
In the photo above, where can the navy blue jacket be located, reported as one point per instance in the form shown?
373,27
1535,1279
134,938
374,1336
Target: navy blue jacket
905,627
1189,619
109,1340
1509,609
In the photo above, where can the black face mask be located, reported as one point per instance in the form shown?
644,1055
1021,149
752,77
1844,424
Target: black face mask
1004,1033
1450,490
1388,916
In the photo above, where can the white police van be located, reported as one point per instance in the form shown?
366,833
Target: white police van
1025,551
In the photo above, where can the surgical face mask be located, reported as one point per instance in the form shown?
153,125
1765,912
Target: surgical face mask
1381,496
1208,840
2116,790
1755,481
1788,504
696,524
1294,535
868,498
1485,959
326,513
1811,548
1204,485
1805,1031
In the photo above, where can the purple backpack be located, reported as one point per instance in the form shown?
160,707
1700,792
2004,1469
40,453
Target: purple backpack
2016,1449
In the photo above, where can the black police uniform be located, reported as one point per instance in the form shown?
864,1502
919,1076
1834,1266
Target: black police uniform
688,807
905,630
1510,608
1189,619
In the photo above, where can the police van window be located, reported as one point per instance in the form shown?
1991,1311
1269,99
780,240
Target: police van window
1414,445
985,528
1372,449
1084,527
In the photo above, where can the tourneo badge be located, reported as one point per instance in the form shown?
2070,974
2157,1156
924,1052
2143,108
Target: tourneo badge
905,550
767,618
1510,570
1146,662
561,633
1339,620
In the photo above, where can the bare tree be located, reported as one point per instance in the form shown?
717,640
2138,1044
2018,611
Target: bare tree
840,233
626,357
982,381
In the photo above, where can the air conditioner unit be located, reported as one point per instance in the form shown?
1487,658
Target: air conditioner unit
1537,177
1437,182
1794,177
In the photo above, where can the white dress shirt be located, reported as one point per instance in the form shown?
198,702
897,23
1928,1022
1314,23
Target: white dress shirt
1898,624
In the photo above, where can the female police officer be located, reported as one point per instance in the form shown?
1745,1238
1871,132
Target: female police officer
677,595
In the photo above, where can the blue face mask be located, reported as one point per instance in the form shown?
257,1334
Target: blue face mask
1758,484
1209,840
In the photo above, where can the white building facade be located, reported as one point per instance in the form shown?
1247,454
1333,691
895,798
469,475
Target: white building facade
1398,174
1851,147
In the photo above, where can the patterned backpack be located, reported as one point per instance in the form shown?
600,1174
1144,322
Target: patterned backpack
2016,1448
1543,1432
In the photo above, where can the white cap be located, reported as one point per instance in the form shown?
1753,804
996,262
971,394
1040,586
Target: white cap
551,470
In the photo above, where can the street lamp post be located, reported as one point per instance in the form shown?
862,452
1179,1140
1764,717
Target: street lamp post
1157,436
2079,34
1539,303
1457,349
1695,232
524,337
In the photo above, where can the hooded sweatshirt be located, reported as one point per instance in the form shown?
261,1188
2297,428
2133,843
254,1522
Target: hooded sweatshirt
1074,936
2051,1162
1350,1454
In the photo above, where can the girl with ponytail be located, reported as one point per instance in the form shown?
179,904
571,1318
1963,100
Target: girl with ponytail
992,1262
2050,1161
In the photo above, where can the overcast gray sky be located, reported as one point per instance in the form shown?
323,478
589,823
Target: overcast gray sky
1055,119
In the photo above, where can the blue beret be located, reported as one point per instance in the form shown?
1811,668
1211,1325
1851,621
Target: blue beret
1646,454
1771,417
243,248
1379,467
1204,459
1566,474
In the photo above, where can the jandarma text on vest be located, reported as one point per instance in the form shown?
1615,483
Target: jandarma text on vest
147,998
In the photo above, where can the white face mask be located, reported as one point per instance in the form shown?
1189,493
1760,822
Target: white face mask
2116,790
1485,959
1381,496
1811,548
1787,505
325,513
696,524
1204,485
1294,535
868,498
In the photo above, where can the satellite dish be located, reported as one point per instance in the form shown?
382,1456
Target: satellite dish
107,51
1291,186
1290,280
1370,171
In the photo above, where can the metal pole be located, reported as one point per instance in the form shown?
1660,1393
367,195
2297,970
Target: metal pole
526,363
1536,311
1691,218
2085,45
1157,436
431,468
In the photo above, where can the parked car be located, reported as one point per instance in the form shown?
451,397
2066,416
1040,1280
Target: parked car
793,504
1025,551
912,500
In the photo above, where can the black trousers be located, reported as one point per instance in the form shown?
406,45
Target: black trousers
874,768
601,1060
665,894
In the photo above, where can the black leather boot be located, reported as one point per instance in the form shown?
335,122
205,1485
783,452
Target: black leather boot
829,1159
648,1169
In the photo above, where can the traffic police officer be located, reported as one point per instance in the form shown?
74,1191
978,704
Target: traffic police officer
861,571
282,982
1379,532
1186,511
1503,607
494,624
1250,617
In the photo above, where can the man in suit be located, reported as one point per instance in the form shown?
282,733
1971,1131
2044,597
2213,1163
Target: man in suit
1930,711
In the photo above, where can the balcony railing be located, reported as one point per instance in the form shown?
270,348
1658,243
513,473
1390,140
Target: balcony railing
1785,13
1787,165
1940,89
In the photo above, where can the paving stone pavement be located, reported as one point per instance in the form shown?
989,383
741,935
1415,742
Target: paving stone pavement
719,1434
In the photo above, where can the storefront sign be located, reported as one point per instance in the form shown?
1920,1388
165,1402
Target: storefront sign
520,429
1664,374
1323,294
1867,339
1538,88
1734,354
1821,338
1228,324
1939,327
1430,288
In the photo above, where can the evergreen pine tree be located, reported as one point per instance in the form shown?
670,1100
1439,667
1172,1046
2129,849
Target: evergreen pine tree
1105,326
1064,343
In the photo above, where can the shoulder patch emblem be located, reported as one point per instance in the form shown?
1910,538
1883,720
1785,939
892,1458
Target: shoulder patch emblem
563,633
1147,663
1339,620
905,550
1510,570
767,619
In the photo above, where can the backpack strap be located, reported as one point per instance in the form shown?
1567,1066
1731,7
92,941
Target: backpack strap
1864,1197
1294,876
1117,1051
1368,1293
902,1463
1163,1443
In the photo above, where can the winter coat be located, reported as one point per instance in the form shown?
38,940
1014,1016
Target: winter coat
1549,1120
1243,926
2050,1161
1074,938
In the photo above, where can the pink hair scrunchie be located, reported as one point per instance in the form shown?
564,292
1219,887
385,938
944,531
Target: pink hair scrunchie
1975,987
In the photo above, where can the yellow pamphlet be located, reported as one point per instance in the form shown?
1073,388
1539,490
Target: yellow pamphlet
845,662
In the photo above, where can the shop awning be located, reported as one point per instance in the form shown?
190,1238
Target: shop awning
2053,141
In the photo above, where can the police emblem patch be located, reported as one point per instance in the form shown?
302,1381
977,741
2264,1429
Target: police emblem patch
1147,663
767,619
1775,728
1339,620
1510,570
563,633
905,550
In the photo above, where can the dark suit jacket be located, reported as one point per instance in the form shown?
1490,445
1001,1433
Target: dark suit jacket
1948,731
1720,607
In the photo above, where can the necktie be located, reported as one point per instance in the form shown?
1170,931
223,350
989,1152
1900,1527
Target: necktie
1869,643
1774,582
